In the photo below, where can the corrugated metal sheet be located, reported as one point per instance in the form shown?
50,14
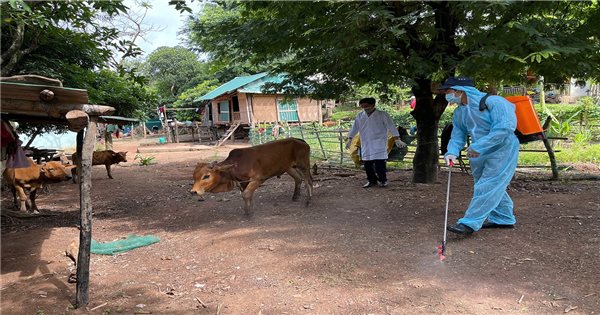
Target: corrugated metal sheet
116,119
256,86
231,86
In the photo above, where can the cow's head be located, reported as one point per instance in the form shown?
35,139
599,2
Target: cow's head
212,178
119,157
54,171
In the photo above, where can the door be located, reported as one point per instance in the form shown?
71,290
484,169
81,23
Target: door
287,110
224,111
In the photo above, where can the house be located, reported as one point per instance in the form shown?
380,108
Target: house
242,101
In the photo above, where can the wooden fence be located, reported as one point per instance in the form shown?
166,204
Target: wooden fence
328,144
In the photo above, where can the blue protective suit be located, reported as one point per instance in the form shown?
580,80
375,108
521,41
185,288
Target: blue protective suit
492,136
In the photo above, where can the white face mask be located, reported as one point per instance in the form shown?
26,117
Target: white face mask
451,98
369,110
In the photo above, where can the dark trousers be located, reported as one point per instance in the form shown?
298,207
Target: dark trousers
375,171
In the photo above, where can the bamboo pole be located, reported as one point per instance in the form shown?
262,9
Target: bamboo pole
85,233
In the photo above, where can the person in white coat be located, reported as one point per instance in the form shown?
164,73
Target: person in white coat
374,126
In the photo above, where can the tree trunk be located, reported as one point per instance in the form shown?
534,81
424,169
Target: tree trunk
427,113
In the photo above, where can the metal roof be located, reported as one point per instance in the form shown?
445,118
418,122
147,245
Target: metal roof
116,119
257,85
230,86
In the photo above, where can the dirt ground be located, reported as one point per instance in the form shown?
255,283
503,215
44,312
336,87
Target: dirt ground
353,251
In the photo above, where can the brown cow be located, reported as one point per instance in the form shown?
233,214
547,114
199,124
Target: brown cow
248,168
106,158
33,177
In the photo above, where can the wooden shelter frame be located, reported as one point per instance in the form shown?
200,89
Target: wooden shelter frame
31,98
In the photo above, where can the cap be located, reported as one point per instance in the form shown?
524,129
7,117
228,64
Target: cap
453,81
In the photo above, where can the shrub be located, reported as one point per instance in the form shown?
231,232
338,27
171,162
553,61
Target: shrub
144,160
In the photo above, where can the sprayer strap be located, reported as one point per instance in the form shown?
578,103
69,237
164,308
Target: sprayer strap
482,105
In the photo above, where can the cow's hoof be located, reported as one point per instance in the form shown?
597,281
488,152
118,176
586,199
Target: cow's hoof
72,278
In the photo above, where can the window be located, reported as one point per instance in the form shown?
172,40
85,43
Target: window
224,111
288,110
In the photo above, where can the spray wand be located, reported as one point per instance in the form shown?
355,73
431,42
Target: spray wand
442,247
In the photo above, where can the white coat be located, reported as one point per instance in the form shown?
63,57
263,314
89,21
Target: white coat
373,134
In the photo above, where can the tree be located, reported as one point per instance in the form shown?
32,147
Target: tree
65,40
33,29
172,70
333,46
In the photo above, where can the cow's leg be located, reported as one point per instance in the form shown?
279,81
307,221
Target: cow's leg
247,195
22,198
16,203
308,182
74,174
108,171
297,182
32,196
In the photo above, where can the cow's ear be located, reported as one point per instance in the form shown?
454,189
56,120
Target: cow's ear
226,167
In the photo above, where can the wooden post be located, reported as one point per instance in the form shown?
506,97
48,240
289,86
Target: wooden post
341,148
320,144
144,129
108,143
175,125
553,164
85,202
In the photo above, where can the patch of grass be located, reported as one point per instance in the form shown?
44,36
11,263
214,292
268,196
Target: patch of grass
144,160
569,153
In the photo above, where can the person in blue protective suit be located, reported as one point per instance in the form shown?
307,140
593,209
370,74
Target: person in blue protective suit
374,126
493,154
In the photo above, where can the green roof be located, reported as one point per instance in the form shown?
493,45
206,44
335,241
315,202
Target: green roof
116,119
230,86
257,85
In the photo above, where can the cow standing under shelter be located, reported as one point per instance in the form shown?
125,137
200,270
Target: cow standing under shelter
248,168
34,177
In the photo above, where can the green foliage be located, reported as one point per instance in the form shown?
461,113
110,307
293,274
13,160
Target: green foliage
336,46
144,160
579,121
35,39
345,112
400,116
129,98
172,70
188,99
